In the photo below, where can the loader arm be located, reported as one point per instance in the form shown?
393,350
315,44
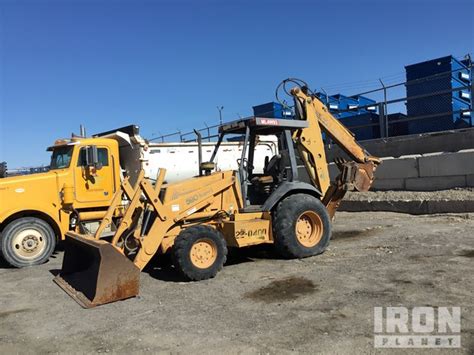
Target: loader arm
96,271
357,174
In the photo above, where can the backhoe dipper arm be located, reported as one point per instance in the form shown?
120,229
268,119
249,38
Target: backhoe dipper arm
357,174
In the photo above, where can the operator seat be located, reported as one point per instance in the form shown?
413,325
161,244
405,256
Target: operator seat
274,169
277,165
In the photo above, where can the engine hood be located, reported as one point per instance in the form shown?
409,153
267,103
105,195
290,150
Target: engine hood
14,182
36,191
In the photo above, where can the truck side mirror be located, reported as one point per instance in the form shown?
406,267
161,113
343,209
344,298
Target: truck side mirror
92,157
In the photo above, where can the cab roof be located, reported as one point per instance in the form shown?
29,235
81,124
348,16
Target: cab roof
75,141
262,125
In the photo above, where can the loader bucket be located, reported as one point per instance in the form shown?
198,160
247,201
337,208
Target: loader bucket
94,272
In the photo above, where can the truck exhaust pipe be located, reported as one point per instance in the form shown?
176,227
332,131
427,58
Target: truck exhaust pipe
199,142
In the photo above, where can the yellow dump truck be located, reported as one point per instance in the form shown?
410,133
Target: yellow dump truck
33,213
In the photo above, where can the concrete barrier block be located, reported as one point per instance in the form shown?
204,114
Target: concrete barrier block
470,180
397,169
388,184
410,156
432,154
447,164
448,141
435,183
411,207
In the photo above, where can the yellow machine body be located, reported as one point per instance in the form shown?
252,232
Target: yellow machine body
95,272
157,217
247,229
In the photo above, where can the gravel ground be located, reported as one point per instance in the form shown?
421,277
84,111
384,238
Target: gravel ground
259,303
461,194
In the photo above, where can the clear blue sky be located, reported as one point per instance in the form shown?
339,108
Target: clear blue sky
166,65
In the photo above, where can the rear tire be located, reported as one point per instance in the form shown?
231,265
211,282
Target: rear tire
27,241
199,252
301,226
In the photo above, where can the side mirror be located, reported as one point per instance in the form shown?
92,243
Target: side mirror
92,157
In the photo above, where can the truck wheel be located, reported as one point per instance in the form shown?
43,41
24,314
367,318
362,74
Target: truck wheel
27,241
199,252
301,226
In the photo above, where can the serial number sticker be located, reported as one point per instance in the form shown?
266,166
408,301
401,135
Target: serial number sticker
175,208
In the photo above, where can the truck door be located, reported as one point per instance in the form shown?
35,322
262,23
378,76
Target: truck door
94,184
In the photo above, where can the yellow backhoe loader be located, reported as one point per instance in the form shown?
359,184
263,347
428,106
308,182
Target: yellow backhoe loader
199,218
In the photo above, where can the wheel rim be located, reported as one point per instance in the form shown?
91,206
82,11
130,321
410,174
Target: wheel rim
203,253
28,243
309,229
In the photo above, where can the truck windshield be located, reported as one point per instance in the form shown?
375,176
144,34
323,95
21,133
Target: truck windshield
61,157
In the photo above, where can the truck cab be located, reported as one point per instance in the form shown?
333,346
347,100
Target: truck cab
37,210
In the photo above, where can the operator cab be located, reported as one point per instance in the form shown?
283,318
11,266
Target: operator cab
256,187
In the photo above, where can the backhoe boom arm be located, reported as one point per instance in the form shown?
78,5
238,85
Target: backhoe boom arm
358,174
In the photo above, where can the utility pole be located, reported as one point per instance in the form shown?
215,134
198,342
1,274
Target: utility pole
220,108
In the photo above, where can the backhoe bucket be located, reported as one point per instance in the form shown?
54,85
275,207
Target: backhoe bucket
94,272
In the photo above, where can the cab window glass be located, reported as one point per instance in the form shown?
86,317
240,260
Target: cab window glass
61,157
102,155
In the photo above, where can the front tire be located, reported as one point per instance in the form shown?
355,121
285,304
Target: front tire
301,226
27,241
199,252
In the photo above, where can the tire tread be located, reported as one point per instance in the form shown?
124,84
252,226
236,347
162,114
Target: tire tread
183,244
285,215
5,242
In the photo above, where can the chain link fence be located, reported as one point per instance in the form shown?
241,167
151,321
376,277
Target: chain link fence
433,103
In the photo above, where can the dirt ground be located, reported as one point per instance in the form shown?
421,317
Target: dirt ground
259,303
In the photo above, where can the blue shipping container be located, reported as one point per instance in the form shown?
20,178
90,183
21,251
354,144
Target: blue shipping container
364,126
272,110
435,80
347,106
397,128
